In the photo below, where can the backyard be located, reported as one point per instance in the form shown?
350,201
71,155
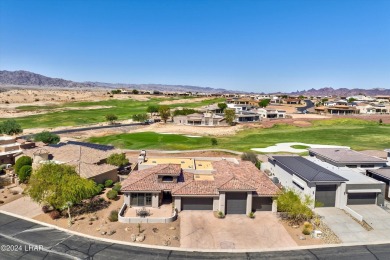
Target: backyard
358,134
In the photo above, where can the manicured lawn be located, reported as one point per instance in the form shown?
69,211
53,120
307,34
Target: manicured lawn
299,146
124,109
151,140
358,134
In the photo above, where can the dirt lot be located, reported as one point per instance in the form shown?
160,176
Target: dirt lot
165,232
11,99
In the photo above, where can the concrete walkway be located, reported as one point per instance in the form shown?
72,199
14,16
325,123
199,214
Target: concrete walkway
200,229
286,147
24,207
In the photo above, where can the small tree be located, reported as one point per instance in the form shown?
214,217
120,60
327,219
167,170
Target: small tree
116,91
59,186
22,161
135,92
111,118
214,141
24,173
10,127
46,137
165,113
350,100
118,159
264,102
230,115
380,121
222,106
152,109
140,117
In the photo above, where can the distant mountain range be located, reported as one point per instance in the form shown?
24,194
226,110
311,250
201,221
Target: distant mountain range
26,78
343,92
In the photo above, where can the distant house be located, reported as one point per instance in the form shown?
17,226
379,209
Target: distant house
229,186
271,113
337,110
292,101
344,157
205,119
88,159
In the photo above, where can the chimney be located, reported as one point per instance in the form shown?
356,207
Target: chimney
142,157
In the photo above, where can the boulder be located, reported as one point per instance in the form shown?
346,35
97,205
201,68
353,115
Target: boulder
140,238
133,237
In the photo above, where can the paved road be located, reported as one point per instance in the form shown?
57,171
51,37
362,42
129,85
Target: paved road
22,234
309,104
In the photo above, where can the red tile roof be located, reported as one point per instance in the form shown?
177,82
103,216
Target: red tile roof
228,176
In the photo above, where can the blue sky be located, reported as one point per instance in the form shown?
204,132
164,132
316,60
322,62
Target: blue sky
264,45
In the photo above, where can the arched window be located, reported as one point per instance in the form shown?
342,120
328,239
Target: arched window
167,179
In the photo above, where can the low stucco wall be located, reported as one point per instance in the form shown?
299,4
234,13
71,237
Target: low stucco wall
353,213
110,175
131,220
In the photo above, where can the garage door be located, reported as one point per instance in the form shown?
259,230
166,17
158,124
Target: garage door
261,204
326,194
361,198
197,203
236,203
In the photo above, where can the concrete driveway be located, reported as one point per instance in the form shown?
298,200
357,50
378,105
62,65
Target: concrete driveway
375,216
24,207
200,229
349,231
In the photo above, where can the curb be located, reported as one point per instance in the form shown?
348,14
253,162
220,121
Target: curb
112,241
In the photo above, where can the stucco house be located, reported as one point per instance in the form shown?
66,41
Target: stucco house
271,113
219,185
326,184
88,159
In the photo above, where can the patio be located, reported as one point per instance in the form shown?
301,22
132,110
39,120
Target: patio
164,211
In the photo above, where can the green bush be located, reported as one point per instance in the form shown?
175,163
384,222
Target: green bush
214,141
22,161
47,138
306,231
118,159
112,194
250,156
101,186
108,183
113,217
117,187
296,210
10,127
251,215
25,173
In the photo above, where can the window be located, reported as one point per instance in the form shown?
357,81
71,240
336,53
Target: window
299,186
351,166
141,199
167,179
367,166
148,199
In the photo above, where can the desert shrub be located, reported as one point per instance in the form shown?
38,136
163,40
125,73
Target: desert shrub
307,225
108,183
25,173
113,217
251,215
250,156
306,231
55,214
112,194
295,209
22,161
118,159
220,214
45,208
46,137
117,187
101,186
